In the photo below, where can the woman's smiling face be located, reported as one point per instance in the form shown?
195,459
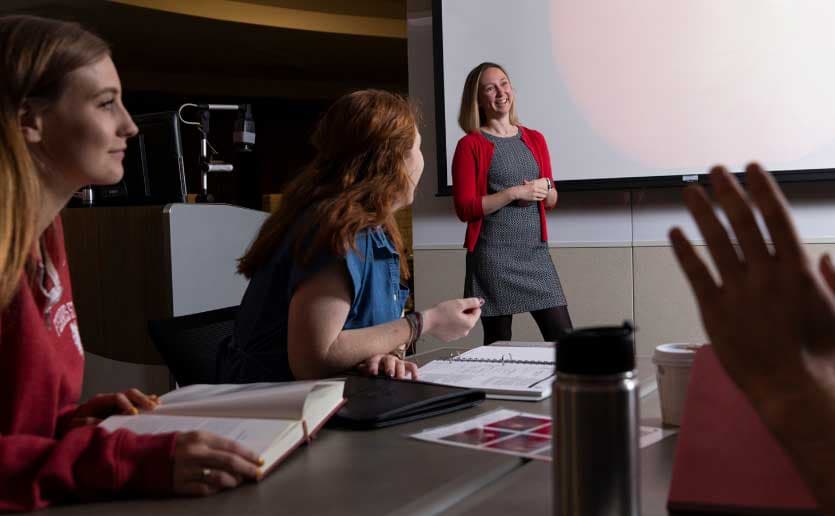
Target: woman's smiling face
83,134
495,94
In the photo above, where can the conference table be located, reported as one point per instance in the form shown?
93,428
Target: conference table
388,473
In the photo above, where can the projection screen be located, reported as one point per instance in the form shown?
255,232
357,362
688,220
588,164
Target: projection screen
651,92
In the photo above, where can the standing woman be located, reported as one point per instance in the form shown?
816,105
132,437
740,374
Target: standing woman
63,125
502,184
325,272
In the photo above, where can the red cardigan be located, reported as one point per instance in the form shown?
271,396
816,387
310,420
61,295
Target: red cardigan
470,164
42,461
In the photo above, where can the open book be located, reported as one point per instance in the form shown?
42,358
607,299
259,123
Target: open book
271,419
503,372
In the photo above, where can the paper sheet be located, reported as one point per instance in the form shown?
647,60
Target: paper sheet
510,432
255,434
489,375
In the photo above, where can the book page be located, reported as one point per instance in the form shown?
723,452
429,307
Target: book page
510,353
255,434
255,400
489,375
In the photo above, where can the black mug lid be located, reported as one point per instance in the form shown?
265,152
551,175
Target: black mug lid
597,351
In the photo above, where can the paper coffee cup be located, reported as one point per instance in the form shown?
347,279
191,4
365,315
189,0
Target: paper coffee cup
673,362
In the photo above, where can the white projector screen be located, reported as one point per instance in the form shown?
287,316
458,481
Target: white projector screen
651,92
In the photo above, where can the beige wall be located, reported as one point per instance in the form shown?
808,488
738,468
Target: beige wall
603,285
597,283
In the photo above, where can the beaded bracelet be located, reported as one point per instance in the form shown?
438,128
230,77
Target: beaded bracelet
415,320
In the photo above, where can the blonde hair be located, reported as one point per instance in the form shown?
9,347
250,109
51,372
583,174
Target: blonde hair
471,116
36,55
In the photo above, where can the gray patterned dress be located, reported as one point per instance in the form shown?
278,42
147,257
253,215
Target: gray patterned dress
510,266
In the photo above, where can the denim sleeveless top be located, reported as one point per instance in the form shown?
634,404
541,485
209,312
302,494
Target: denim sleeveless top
258,349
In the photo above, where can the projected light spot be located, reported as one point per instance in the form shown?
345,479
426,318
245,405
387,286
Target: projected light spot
681,85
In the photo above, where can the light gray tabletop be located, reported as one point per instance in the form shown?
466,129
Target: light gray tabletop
385,472
529,490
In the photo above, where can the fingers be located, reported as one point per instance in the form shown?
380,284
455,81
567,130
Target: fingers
774,208
470,303
128,402
535,190
715,235
207,450
400,370
205,463
114,403
219,479
389,365
412,369
471,317
141,400
697,273
207,481
736,205
372,365
231,464
230,446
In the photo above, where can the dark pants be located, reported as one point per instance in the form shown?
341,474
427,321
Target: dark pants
552,322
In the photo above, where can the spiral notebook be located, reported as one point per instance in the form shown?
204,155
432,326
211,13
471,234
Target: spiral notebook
503,372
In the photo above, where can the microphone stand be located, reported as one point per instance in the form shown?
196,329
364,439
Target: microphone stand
207,164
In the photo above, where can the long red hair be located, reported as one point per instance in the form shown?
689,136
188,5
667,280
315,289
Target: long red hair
355,181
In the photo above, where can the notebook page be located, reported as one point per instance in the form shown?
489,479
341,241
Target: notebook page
489,375
510,354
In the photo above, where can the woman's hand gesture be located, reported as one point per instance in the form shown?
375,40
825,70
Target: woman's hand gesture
453,319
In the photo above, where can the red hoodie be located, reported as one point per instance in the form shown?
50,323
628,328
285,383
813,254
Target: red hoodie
41,367
470,165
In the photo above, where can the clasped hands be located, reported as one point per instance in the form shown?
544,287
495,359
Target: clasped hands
531,191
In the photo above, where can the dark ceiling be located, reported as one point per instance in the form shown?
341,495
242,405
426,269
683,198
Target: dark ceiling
175,53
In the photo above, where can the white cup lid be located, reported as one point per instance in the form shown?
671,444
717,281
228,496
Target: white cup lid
675,353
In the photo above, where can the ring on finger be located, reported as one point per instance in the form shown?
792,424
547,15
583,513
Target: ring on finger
205,473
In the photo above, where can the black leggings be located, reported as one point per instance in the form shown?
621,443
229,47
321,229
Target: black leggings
553,323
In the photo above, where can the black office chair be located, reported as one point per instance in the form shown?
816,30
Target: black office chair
189,344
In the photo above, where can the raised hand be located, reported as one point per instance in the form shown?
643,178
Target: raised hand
768,317
771,322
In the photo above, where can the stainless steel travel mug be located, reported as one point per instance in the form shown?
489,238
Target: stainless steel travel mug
596,426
